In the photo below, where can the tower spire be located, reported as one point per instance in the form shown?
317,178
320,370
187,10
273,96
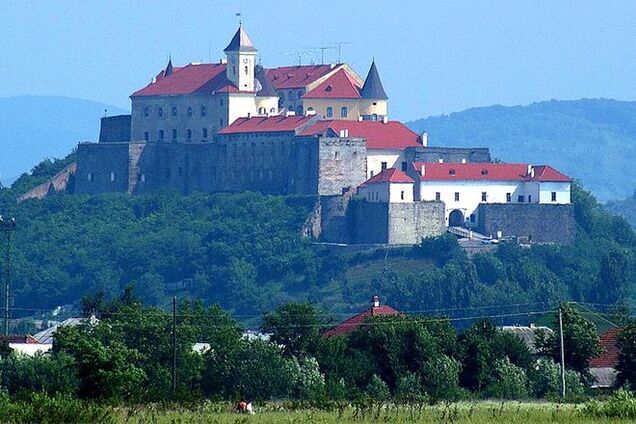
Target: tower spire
372,88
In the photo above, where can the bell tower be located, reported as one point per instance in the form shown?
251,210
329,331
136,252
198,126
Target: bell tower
241,60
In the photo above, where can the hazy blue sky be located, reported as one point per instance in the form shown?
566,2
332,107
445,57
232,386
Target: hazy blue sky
434,57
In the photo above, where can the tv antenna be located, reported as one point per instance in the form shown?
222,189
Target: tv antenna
322,52
299,54
340,44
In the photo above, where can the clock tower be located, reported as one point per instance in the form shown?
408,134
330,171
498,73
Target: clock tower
241,59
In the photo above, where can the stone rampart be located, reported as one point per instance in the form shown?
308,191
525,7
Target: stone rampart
115,129
539,223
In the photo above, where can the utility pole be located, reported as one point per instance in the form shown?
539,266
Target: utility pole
7,228
562,351
174,343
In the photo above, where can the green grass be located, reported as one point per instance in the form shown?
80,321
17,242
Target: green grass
463,412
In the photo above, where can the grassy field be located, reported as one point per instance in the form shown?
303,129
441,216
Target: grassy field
465,412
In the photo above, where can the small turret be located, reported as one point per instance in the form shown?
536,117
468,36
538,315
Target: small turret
372,88
169,69
241,58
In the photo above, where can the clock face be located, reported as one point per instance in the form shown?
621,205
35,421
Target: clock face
246,60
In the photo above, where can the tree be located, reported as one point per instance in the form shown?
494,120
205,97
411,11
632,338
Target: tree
511,381
626,367
294,326
580,341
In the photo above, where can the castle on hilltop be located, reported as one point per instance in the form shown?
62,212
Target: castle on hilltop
312,130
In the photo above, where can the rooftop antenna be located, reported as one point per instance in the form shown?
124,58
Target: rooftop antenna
299,54
322,52
340,44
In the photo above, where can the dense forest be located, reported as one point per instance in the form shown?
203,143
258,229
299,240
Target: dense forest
590,139
246,253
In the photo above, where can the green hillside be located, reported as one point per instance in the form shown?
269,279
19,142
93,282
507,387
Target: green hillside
593,140
626,208
245,252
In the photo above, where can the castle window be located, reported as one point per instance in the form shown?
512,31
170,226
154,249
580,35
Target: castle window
472,217
273,110
370,174
402,195
221,122
189,111
262,111
300,94
113,177
374,117
336,155
205,133
180,171
233,70
404,166
174,111
146,111
553,196
167,172
529,198
203,111
375,103
520,199
299,110
438,196
221,102
282,96
160,134
89,177
189,133
160,111
329,112
457,196
141,178
483,196
343,112
290,95
146,135
174,134
508,197
383,165
246,70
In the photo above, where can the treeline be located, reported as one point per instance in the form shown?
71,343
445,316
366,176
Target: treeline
245,252
127,357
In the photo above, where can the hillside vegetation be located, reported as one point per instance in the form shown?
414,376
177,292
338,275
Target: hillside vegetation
593,140
245,252
626,208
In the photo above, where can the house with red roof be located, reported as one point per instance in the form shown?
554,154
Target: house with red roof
353,323
603,367
463,187
389,186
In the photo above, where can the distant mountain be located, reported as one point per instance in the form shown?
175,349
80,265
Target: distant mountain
626,207
36,127
593,140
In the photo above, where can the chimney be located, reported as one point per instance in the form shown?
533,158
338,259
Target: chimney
222,61
463,160
310,112
360,118
425,139
375,301
343,133
440,160
423,170
385,119
530,171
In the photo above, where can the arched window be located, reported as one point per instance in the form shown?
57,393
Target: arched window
189,132
300,94
299,110
343,112
246,70
160,134
272,110
203,111
160,111
290,95
329,112
262,111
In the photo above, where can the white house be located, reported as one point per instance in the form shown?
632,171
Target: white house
463,186
389,186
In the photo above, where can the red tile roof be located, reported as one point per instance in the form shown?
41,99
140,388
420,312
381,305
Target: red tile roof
355,321
340,85
296,76
391,175
487,171
193,78
266,124
609,358
390,136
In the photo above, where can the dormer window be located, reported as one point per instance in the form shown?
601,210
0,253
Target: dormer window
484,172
451,172
328,89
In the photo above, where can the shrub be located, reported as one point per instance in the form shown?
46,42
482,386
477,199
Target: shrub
44,409
545,380
52,374
377,389
512,381
409,389
621,405
441,377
